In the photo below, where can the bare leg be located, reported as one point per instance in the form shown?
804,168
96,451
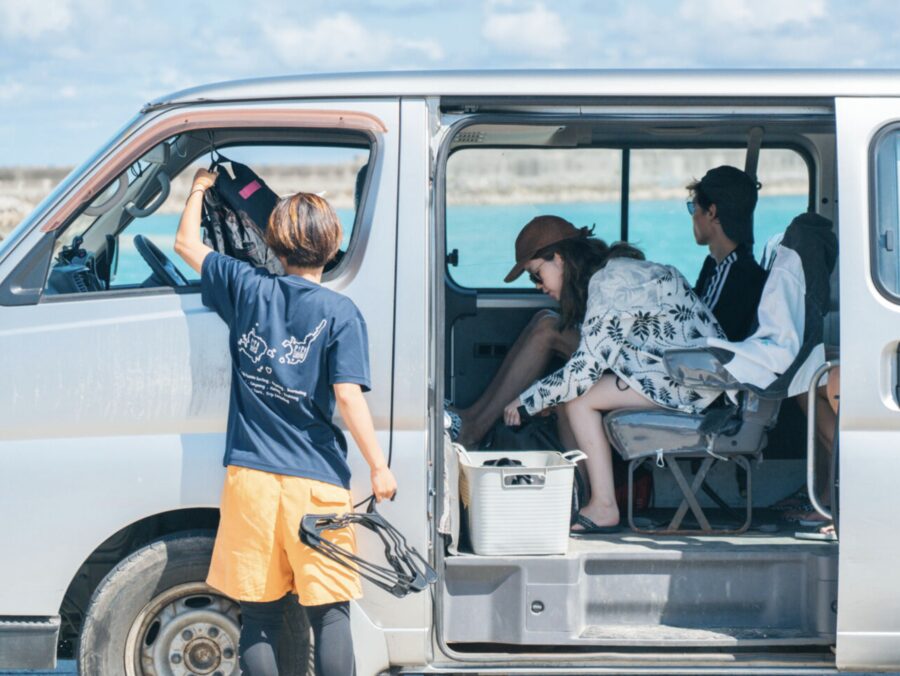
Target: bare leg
524,363
564,429
567,438
824,417
587,426
833,388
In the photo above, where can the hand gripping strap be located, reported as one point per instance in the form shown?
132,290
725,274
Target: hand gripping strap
408,571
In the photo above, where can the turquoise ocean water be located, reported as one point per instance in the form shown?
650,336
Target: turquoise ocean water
485,235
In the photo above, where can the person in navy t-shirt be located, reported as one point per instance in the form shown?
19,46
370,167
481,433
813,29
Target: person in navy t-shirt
297,350
284,367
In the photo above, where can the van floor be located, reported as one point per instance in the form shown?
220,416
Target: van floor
769,528
618,542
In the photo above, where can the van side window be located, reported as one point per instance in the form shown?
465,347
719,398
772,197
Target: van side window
105,247
885,227
493,192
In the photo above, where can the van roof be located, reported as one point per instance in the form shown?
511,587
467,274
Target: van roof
551,83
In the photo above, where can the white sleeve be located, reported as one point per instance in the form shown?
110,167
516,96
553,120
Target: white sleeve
772,348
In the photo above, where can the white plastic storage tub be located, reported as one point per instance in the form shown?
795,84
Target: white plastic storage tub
518,510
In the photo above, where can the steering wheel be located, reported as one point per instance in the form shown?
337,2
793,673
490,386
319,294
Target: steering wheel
163,269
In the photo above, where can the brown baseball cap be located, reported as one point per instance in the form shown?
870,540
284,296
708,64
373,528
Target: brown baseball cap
538,233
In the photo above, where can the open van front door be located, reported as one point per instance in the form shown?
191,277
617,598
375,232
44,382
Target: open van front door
868,625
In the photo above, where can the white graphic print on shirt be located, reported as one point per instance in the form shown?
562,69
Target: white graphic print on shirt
255,348
299,350
252,345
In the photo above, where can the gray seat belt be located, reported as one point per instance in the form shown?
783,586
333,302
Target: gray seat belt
754,142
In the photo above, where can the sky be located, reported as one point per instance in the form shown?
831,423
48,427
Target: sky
72,72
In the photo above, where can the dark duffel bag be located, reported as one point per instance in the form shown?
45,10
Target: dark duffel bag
236,213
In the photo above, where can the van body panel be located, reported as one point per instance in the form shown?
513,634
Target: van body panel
121,480
868,586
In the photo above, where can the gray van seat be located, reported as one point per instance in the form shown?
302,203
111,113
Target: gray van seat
732,432
737,429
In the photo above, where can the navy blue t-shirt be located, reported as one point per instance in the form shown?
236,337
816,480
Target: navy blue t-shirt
290,341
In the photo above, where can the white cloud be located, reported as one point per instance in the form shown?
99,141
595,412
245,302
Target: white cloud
68,92
10,89
536,31
752,14
23,18
341,42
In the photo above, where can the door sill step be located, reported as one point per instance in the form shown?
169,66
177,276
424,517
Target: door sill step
661,635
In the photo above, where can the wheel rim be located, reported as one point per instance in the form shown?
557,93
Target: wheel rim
187,630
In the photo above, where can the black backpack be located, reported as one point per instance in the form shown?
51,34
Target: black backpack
235,215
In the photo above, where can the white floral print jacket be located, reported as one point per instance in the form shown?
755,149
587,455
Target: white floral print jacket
636,310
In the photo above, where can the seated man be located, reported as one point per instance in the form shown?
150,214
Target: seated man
730,284
730,281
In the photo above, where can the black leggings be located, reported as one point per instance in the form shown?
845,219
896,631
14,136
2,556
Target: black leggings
261,627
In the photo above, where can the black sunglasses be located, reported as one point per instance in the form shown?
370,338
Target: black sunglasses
535,276
691,206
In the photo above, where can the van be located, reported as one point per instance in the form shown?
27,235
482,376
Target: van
114,378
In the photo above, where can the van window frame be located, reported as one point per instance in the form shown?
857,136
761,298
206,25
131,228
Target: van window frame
160,128
874,195
193,287
445,153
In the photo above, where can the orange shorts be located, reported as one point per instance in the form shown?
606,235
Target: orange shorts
258,555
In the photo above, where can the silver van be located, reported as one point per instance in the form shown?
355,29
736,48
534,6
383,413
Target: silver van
114,377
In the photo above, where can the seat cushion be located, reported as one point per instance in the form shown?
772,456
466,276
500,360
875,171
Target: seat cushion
638,433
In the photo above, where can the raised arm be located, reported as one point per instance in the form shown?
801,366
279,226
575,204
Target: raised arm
188,242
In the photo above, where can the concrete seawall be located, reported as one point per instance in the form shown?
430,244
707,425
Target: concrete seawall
477,176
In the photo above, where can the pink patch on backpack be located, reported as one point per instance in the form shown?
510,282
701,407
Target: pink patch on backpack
249,189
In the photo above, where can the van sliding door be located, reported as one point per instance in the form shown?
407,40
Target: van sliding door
868,148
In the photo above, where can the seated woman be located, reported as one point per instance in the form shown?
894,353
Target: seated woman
629,312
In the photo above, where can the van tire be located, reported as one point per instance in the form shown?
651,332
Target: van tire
165,574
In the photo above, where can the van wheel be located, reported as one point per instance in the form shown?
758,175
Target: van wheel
154,615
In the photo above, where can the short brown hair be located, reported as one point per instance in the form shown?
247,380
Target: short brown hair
304,231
